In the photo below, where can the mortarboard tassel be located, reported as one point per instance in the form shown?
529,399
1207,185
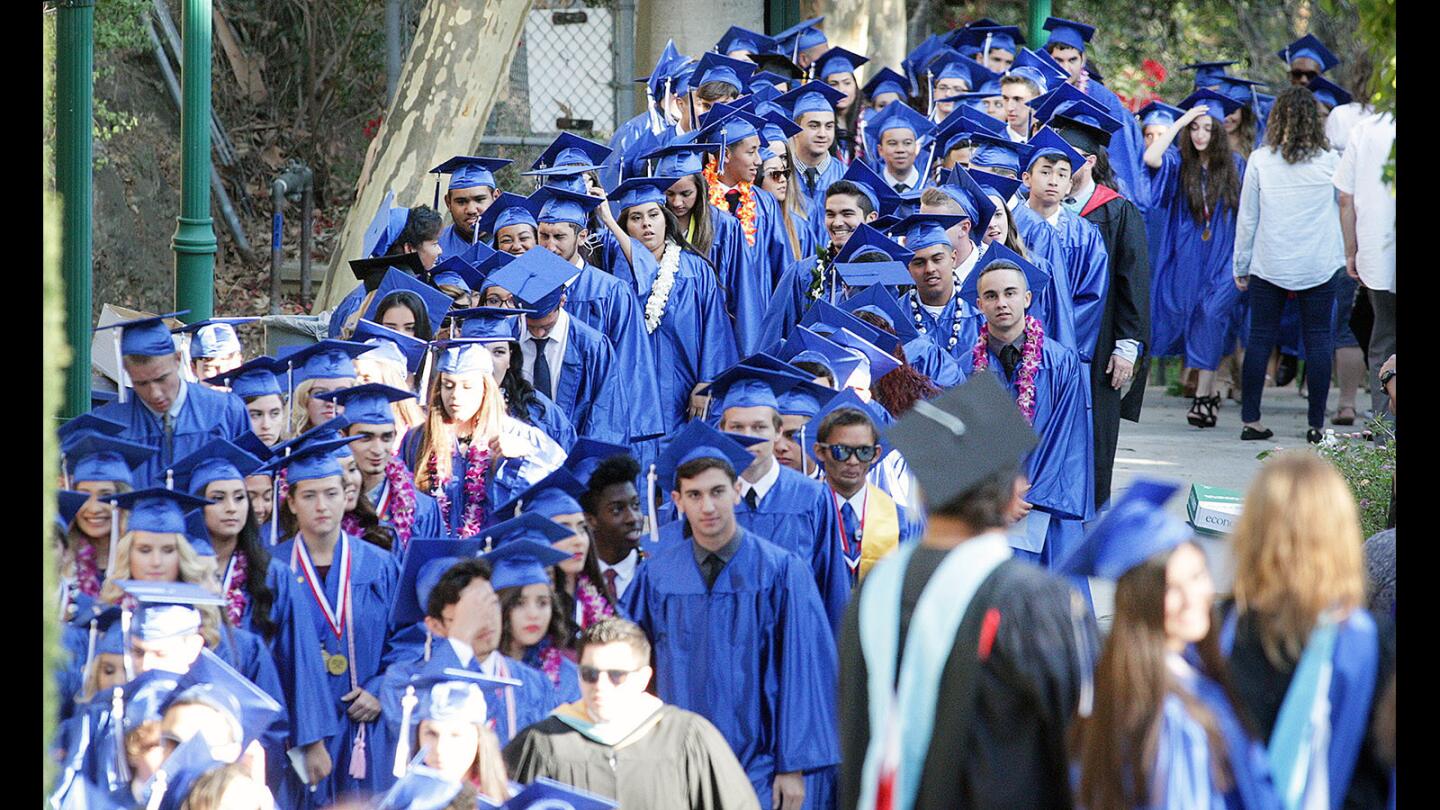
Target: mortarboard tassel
114,538
428,638
90,647
436,204
402,747
930,94
804,456
125,631
64,471
652,109
650,505
157,791
170,480
425,379
117,723
357,754
119,368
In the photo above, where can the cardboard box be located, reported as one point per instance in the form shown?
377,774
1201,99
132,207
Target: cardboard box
1214,510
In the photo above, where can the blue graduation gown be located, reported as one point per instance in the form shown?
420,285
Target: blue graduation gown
1183,759
1126,148
627,145
566,687
1194,303
741,276
926,357
797,512
247,653
506,479
344,310
958,319
452,243
375,577
609,306
694,341
547,416
772,247
207,415
1060,468
1072,304
589,389
773,698
789,302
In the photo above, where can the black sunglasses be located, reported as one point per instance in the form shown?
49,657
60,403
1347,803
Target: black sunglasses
617,676
842,452
1304,74
776,175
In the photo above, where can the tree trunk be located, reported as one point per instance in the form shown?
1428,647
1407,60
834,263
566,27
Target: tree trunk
458,61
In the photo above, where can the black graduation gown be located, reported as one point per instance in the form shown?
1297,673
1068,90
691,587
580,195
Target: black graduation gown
1012,754
1126,315
678,759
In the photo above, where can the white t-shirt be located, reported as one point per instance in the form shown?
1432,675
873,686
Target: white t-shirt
1360,174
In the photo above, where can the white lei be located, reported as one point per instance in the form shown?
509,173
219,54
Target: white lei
660,290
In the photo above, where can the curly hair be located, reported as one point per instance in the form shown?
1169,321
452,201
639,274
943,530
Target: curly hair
899,390
1296,129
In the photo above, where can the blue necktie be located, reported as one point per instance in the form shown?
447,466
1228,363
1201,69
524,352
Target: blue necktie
847,519
541,382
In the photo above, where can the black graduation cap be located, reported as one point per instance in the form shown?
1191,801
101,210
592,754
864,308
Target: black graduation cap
371,271
957,440
778,64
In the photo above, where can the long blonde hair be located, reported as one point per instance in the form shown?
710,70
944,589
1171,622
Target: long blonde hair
299,420
437,434
407,411
1297,551
193,569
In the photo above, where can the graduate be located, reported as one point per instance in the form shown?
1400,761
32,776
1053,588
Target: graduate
616,520
387,486
1160,676
570,163
100,466
812,107
255,383
877,307
497,329
950,75
395,359
564,358
1194,305
836,69
732,180
164,410
935,305
728,594
509,223
532,624
847,446
1066,47
351,585
797,407
776,502
471,455
214,346
803,42
1051,389
684,308
400,237
895,137
444,716
469,194
659,116
951,622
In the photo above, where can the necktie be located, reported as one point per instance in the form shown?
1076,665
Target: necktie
732,199
168,443
712,566
610,584
541,382
812,179
901,188
752,499
1010,357
852,526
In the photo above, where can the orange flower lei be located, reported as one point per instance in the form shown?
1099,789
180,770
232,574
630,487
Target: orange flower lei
745,213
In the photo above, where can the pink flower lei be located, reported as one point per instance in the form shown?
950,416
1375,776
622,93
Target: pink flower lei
87,571
477,466
235,597
1029,363
593,605
546,657
401,507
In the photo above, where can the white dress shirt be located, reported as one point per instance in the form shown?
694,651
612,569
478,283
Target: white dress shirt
624,571
911,180
554,351
762,487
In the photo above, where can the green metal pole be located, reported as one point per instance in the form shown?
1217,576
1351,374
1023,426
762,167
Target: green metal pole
1036,35
194,241
74,120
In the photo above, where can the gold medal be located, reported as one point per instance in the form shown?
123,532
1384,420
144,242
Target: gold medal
336,664
1205,237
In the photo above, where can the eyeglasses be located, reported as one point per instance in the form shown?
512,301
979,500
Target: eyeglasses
842,452
776,175
497,302
1308,75
590,674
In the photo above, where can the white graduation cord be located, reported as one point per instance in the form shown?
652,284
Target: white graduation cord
125,631
114,537
650,505
117,720
402,746
119,368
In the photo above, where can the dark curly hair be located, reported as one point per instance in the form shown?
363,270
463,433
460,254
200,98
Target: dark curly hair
422,225
1296,129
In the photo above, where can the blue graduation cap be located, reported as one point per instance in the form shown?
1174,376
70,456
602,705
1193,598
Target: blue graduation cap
410,349
216,460
998,153
729,127
881,195
312,460
765,79
963,122
507,209
991,37
1159,114
1133,530
569,154
805,345
639,191
253,378
1069,33
385,227
746,386
716,67
1041,63
545,793
252,444
214,682
468,171
426,560
463,356
89,422
805,398
519,561
367,404
490,324
880,362
156,509
680,78
536,279
1047,144
1217,106
810,97
849,399
959,186
197,533
877,300
885,81
896,116
1236,88
1080,121
145,337
326,430
68,503
868,272
995,185
866,241
457,271
1206,71
827,319
778,126
921,231
420,788
1036,278
558,205
801,36
587,454
836,60
1328,92
328,359
698,440
553,495
171,784
97,457
663,73
743,39
436,303
915,62
214,337
1309,47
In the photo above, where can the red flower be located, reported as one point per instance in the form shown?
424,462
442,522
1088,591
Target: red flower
1155,70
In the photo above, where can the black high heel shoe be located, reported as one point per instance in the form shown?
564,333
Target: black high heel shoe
1197,415
1212,409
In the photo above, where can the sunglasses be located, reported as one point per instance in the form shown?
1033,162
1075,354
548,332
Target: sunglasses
617,676
1304,74
843,452
776,175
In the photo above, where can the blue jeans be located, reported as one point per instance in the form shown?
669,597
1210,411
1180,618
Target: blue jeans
1317,309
